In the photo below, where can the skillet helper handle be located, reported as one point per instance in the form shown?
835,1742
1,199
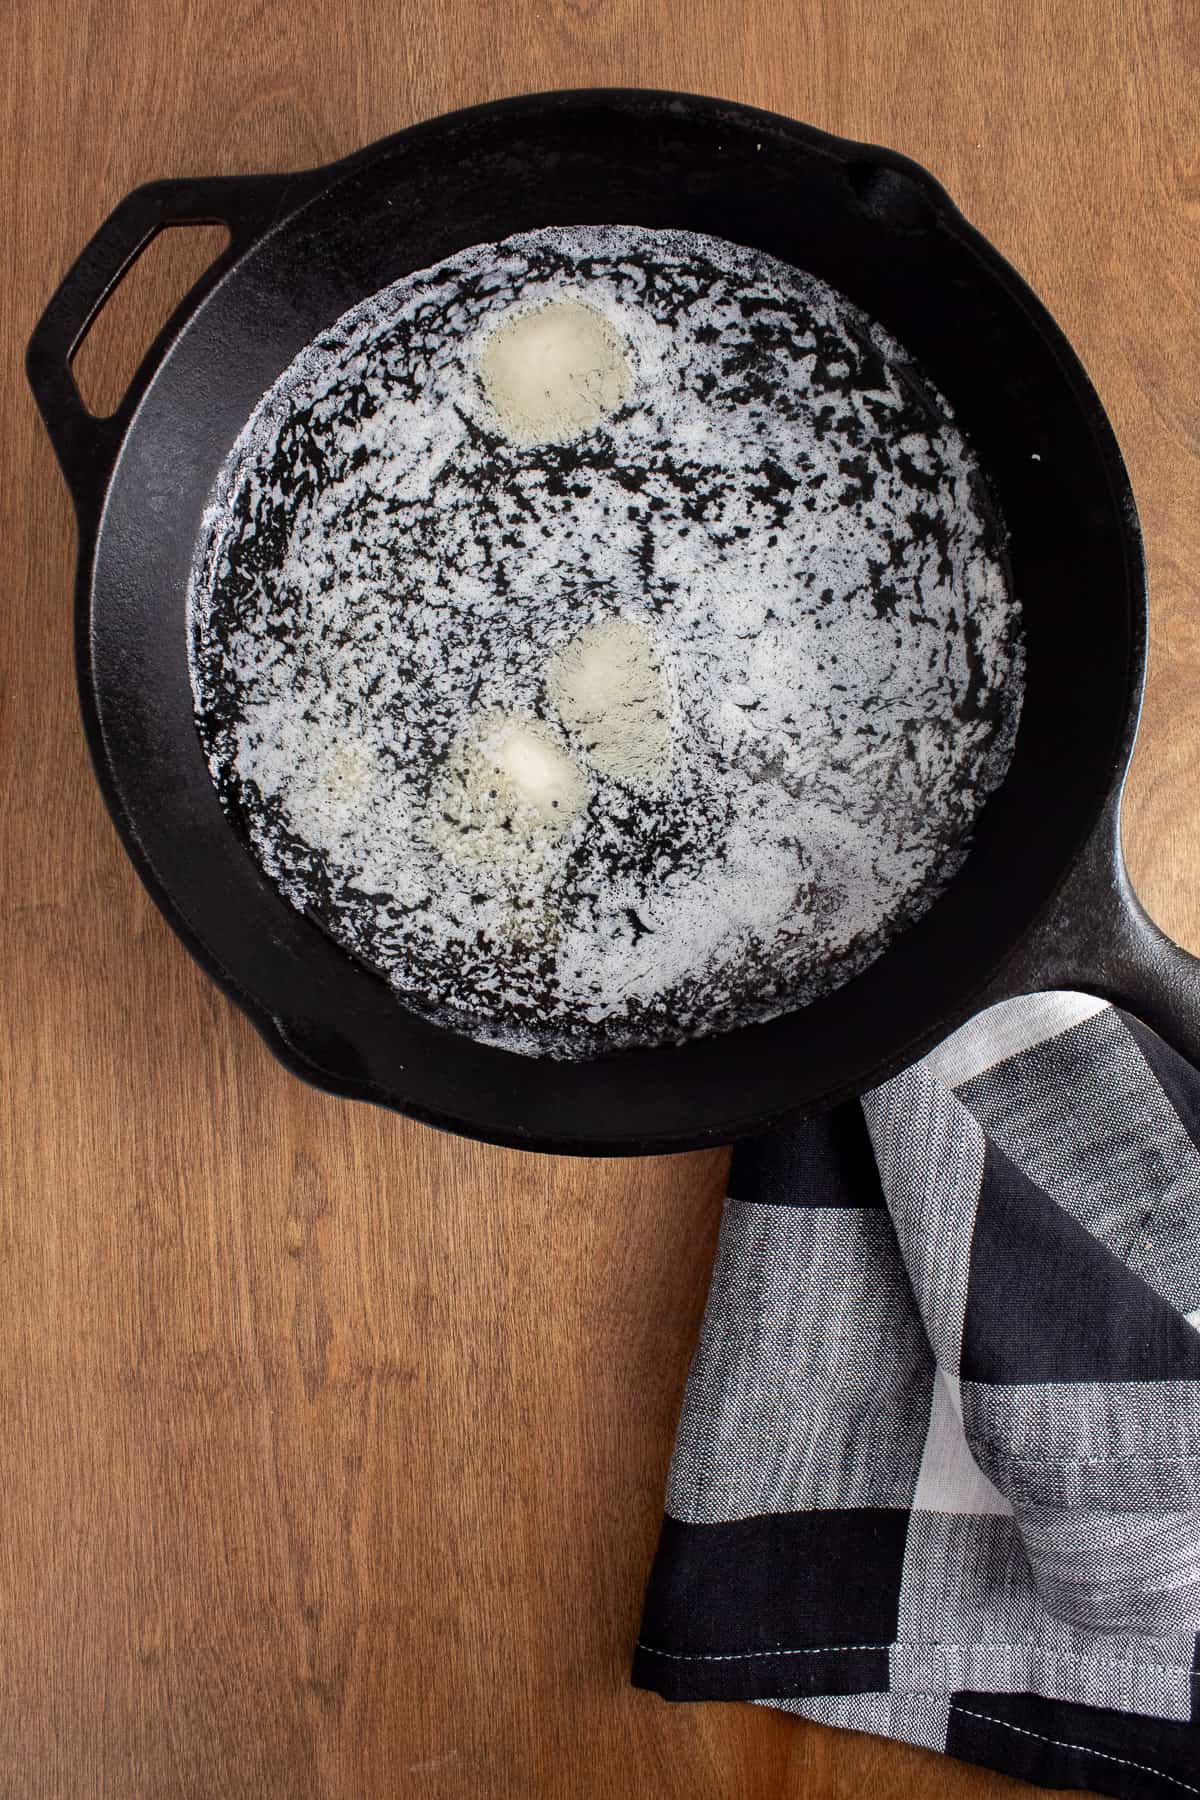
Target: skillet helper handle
85,444
1098,939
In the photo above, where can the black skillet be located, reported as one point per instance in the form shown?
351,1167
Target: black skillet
1042,901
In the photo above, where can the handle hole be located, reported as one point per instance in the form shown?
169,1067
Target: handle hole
107,356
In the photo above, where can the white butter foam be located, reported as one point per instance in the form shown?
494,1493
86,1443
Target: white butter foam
662,714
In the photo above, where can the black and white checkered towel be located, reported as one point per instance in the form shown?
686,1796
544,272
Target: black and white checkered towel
937,1473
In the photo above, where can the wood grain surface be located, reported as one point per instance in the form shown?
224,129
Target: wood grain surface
332,1449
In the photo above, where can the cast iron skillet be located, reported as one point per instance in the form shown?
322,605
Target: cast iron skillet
1043,900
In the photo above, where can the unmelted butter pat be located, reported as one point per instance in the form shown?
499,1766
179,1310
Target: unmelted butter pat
553,372
508,791
543,775
609,688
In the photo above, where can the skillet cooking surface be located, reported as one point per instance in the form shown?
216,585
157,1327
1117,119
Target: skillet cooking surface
773,560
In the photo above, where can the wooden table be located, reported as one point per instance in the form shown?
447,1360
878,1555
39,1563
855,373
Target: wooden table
333,1450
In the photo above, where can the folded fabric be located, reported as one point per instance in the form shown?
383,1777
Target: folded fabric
937,1473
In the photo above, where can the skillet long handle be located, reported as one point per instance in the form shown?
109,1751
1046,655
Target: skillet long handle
1098,938
84,444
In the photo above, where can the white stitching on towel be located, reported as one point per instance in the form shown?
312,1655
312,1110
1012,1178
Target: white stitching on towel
1085,1749
1064,1658
1083,1462
741,1655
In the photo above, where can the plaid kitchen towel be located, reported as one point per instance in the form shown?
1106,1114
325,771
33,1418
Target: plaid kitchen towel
937,1473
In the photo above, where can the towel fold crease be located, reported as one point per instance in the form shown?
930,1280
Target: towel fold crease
937,1472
